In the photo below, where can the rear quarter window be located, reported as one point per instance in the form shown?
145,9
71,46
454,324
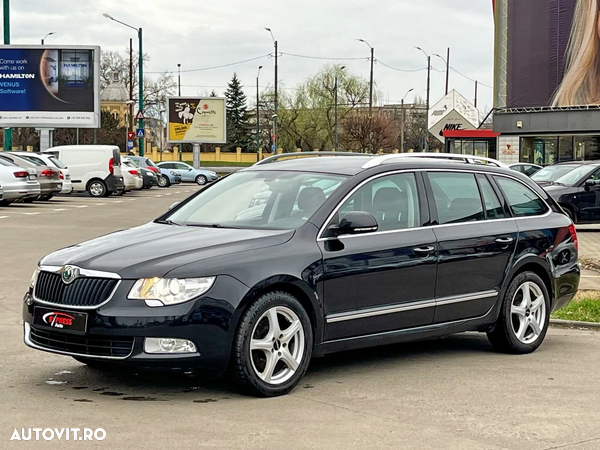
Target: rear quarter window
523,201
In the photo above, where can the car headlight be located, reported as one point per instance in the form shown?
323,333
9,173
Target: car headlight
36,272
214,174
169,291
174,174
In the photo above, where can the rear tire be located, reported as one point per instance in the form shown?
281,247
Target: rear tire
524,317
273,346
97,189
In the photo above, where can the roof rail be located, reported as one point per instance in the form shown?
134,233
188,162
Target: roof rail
456,157
274,158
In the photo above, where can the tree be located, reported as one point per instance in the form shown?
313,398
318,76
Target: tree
238,128
156,91
366,133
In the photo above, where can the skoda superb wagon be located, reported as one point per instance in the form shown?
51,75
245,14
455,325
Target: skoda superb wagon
344,252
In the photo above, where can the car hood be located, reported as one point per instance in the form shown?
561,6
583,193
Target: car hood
557,190
154,249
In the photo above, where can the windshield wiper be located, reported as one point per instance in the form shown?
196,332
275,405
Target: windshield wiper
208,225
557,183
168,222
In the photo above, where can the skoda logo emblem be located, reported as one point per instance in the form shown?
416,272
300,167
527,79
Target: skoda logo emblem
69,274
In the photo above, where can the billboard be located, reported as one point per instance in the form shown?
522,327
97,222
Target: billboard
453,112
547,53
197,120
46,87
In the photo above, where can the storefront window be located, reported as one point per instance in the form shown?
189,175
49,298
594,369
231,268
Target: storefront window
544,150
565,148
539,150
587,147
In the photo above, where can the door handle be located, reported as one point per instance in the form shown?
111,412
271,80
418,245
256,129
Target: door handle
504,241
423,251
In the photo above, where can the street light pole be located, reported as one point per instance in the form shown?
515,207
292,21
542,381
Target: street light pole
257,111
179,79
371,76
335,142
141,77
403,121
6,9
426,143
46,37
447,62
275,115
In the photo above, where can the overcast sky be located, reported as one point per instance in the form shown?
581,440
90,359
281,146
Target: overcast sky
200,34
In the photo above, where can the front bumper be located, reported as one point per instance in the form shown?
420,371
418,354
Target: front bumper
116,330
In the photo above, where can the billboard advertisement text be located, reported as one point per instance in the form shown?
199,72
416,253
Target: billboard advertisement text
197,120
49,87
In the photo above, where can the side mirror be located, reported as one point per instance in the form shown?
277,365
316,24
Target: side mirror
173,205
356,222
190,169
591,183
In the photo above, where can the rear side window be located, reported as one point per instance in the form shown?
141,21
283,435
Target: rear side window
522,200
456,197
57,162
493,207
116,157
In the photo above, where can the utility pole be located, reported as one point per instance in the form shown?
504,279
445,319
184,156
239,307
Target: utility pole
7,131
447,69
276,118
476,86
141,91
403,115
258,111
335,141
179,79
426,143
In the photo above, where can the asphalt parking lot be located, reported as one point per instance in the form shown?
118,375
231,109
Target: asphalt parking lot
452,393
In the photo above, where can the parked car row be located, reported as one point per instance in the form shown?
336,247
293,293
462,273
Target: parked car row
99,170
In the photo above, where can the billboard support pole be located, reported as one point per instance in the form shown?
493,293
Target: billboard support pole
7,131
196,150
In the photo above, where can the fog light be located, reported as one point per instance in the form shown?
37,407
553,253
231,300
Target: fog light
168,345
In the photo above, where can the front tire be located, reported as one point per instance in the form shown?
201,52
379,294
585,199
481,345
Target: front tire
523,322
273,346
163,181
201,180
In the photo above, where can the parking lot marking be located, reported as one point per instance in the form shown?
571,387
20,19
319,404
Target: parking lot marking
3,217
60,209
158,196
31,213
118,201
100,204
168,193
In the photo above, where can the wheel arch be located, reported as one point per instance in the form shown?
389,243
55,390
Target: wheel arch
91,180
297,287
536,265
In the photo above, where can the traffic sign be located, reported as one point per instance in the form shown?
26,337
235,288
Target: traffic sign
140,115
129,145
130,135
140,132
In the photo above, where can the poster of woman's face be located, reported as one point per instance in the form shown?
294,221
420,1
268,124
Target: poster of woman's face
553,53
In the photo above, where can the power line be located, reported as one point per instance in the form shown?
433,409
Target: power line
400,70
471,79
223,65
322,57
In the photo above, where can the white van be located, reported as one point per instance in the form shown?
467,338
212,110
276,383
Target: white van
94,168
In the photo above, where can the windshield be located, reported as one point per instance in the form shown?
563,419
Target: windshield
575,175
255,200
553,173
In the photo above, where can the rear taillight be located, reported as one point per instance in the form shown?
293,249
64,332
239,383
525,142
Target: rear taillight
21,174
111,166
47,173
153,169
60,174
573,232
133,172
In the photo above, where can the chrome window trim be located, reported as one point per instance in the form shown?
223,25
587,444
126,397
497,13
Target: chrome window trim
30,343
322,230
420,304
83,274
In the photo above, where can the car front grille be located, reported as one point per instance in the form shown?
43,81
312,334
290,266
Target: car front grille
83,292
92,345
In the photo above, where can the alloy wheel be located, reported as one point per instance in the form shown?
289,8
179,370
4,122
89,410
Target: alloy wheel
96,189
277,345
528,312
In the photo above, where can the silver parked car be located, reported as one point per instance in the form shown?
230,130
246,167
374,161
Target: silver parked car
18,183
48,177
